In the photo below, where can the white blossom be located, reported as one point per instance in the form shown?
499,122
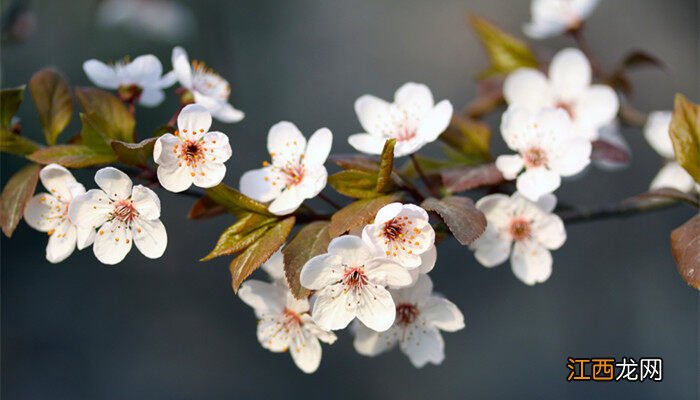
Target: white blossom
554,17
274,267
139,80
48,212
412,119
193,154
296,172
350,282
401,232
420,316
568,87
207,87
285,324
530,229
547,150
121,213
671,175
165,20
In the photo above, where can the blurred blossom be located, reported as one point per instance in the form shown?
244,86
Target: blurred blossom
611,135
554,17
671,175
165,20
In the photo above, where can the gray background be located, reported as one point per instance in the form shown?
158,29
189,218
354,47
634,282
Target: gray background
172,328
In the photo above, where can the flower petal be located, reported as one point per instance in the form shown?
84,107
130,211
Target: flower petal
571,157
258,184
116,184
375,307
321,271
535,182
547,202
368,144
569,73
435,121
414,97
226,113
101,74
331,311
306,351
491,249
218,148
174,178
265,298
510,165
146,202
656,133
370,343
596,107
549,231
422,345
373,114
531,262
287,202
58,181
387,273
181,67
165,150
193,119
272,335
318,148
285,143
151,97
673,176
209,174
144,70
351,249
90,210
322,335
85,237
150,237
44,212
420,291
61,242
527,88
442,314
112,243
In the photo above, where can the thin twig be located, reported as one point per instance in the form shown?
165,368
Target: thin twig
329,201
582,43
618,210
424,177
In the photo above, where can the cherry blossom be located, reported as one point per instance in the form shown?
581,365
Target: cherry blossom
568,87
296,172
166,20
206,86
671,175
48,212
193,154
554,17
412,119
420,316
530,229
121,213
547,149
401,232
285,324
139,80
350,282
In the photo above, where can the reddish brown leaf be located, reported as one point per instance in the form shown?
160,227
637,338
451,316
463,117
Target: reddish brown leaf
358,213
685,245
665,194
461,179
355,161
460,214
606,151
309,242
15,195
205,208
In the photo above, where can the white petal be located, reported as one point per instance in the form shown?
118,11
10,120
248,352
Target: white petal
490,249
144,70
174,178
656,133
194,119
496,208
165,150
115,183
314,182
535,182
415,97
182,68
151,97
101,74
373,114
318,148
112,243
321,271
61,243
569,73
596,107
167,80
510,165
275,266
331,312
527,88
217,147
352,250
271,333
85,237
43,212
531,262
146,202
90,210
209,174
322,335
265,298
150,237
423,345
226,113
285,143
287,202
515,123
255,185
306,351
673,176
443,314
58,180
368,144
420,291
544,29
387,273
428,260
370,343
547,202
571,157
375,307
549,231
435,122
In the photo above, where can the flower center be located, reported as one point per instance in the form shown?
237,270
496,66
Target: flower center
535,157
208,82
566,107
291,318
124,211
294,174
354,278
406,313
520,229
393,229
404,134
192,152
129,93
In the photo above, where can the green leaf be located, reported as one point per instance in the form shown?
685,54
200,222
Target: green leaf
53,101
310,241
240,235
11,142
10,99
15,195
137,154
685,246
72,156
95,132
460,214
358,214
685,135
116,118
506,53
245,263
469,138
355,183
386,166
236,202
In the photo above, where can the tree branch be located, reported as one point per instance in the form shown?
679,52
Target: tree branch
619,210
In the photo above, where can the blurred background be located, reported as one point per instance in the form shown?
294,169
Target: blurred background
172,328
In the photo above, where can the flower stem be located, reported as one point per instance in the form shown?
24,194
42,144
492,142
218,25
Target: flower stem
618,210
433,191
582,43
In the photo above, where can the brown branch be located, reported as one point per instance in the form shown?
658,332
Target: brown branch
618,210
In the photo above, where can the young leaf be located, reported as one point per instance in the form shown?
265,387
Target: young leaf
505,51
461,179
11,142
53,101
240,235
355,183
460,214
10,99
685,135
245,263
685,245
310,241
15,195
204,208
358,213
138,154
386,166
117,119
355,161
470,138
665,194
72,156
236,202
606,151
95,132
